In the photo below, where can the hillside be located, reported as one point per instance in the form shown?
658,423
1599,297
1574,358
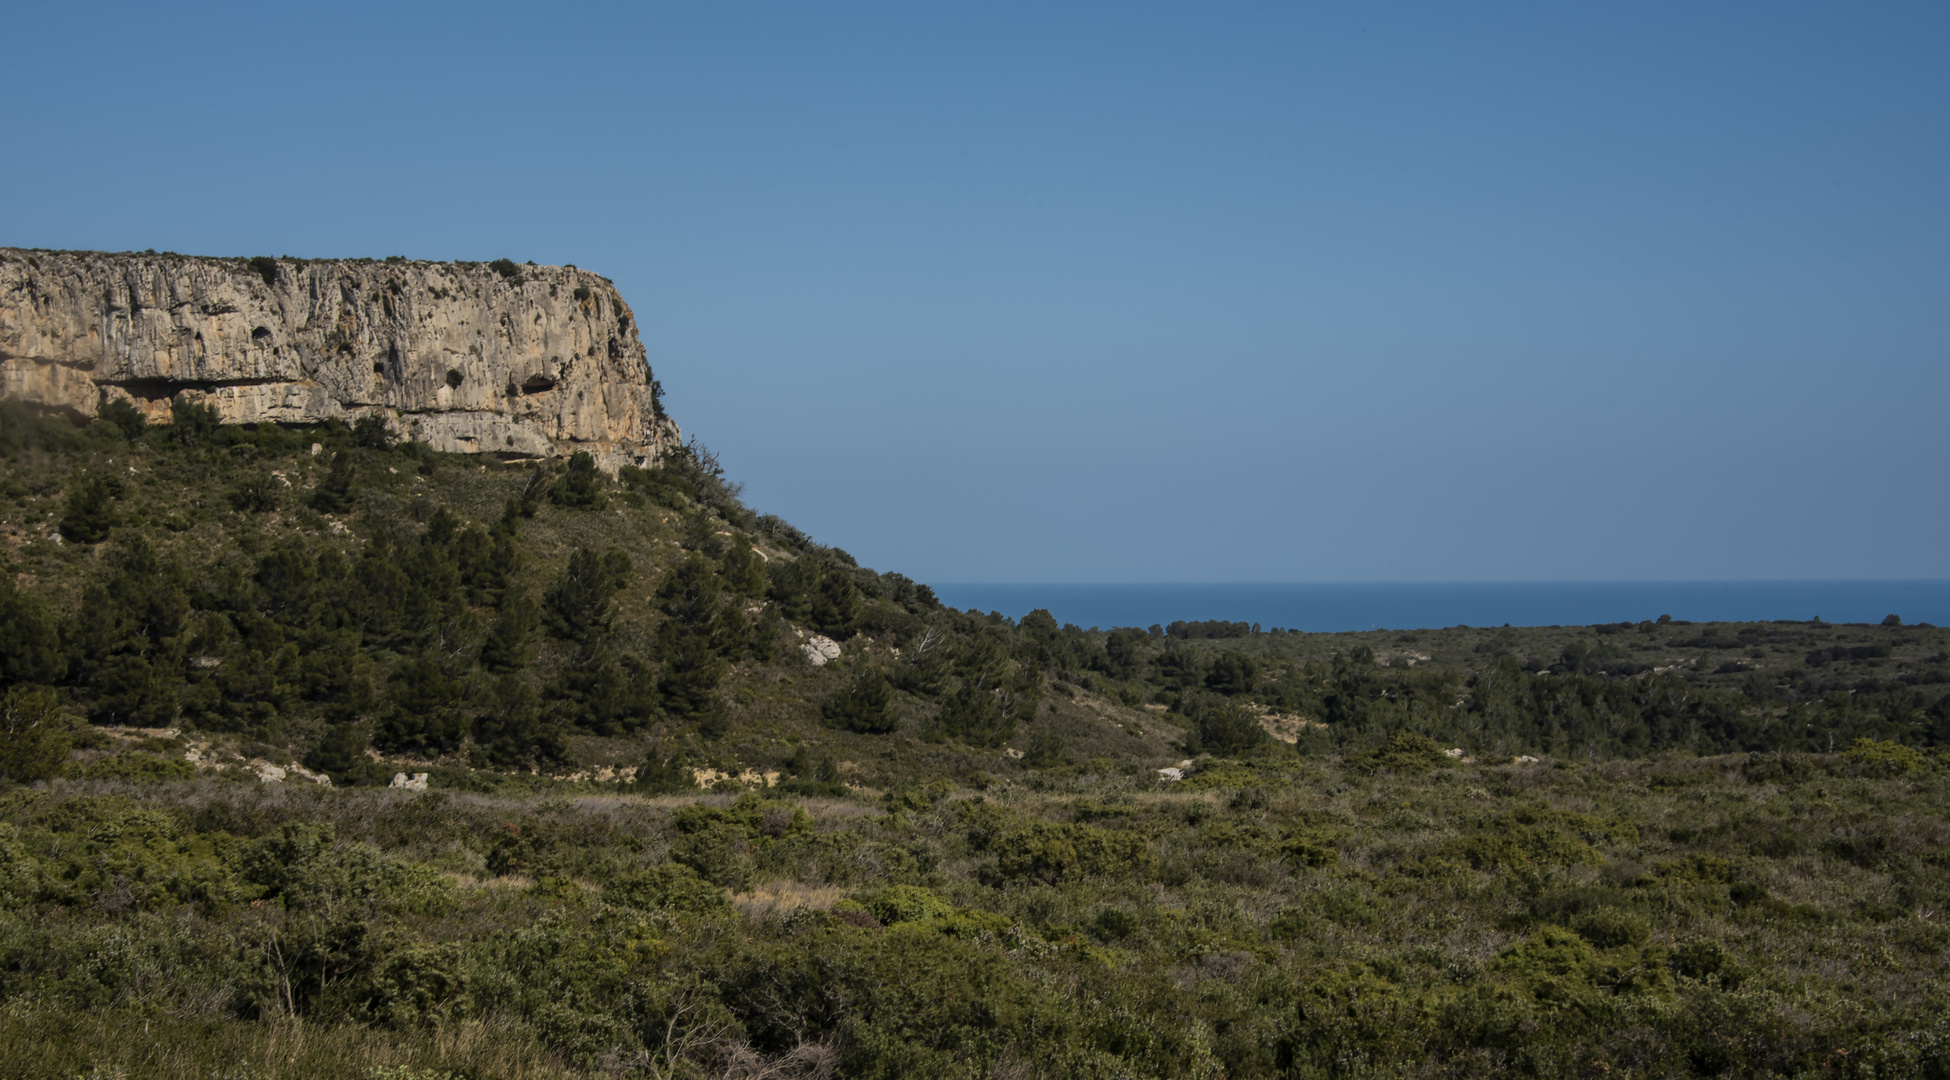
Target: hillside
449,611
659,839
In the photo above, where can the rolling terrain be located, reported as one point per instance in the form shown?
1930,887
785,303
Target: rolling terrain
707,798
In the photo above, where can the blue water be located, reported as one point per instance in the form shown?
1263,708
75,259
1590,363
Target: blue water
1427,605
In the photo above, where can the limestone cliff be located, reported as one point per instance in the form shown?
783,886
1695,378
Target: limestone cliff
518,361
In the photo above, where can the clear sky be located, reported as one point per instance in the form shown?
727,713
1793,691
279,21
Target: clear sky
1134,292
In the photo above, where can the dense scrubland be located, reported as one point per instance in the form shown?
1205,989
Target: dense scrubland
1641,849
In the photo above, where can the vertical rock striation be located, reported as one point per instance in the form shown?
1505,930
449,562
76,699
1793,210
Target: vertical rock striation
517,361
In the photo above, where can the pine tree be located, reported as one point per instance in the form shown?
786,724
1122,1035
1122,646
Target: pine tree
581,485
30,639
578,605
334,493
89,515
862,706
660,774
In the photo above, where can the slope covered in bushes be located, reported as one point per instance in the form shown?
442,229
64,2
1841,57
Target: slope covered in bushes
1403,914
1650,849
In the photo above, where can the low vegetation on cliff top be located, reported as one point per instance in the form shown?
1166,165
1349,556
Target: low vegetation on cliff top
661,840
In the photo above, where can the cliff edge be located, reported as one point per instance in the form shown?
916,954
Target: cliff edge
489,358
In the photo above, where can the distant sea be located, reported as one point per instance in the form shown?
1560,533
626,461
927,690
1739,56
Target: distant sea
1428,605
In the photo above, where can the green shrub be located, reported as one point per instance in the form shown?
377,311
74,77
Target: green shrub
124,858
1610,928
1049,853
972,924
1218,726
757,817
916,799
1701,958
265,267
1554,964
1405,752
1312,847
23,427
720,852
1882,757
289,856
903,903
1291,925
20,872
1045,750
1693,869
34,735
722,844
341,753
138,767
671,886
1514,844
821,778
415,985
1232,672
255,494
1114,924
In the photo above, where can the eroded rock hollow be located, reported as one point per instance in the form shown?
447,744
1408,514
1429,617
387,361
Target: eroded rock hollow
516,361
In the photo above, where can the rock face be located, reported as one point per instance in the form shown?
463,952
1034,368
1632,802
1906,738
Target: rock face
517,361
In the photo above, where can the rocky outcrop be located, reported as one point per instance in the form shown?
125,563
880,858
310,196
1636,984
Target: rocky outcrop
820,650
517,361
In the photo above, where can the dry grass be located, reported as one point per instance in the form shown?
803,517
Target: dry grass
67,1044
505,881
784,897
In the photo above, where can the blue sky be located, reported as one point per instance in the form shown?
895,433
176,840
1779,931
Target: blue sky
1135,292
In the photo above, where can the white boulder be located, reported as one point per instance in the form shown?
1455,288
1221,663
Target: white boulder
295,769
819,649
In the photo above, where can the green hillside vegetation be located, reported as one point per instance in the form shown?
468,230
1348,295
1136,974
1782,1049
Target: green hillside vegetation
1648,849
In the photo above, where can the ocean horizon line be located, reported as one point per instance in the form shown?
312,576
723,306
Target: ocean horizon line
1474,581
1340,606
